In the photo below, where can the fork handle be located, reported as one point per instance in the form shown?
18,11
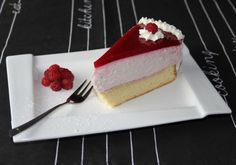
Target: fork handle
28,124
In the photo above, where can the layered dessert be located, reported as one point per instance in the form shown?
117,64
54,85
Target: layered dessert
143,59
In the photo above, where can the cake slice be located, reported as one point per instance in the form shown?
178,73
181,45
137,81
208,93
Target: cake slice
145,58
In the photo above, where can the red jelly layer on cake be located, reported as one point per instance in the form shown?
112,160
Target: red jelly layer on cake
130,45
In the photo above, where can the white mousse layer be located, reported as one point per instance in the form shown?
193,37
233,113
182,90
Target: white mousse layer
135,67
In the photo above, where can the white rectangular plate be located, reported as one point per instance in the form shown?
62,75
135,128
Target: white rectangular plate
191,96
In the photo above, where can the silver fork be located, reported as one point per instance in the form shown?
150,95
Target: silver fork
77,96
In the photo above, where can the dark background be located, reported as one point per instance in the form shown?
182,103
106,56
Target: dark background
44,27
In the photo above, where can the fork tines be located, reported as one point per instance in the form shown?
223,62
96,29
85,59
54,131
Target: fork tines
81,91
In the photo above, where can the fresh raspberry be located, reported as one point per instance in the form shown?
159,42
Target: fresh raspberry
46,73
66,74
54,75
151,27
67,84
45,82
58,78
56,86
54,67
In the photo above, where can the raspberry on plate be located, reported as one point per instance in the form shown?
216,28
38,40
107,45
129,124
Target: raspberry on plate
45,82
66,74
46,73
67,84
57,78
56,86
54,67
54,75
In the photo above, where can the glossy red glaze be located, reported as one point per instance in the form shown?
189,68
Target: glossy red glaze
130,45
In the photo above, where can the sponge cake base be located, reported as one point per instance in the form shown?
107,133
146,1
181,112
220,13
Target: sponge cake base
130,90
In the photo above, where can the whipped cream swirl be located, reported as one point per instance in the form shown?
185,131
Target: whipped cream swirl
143,33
